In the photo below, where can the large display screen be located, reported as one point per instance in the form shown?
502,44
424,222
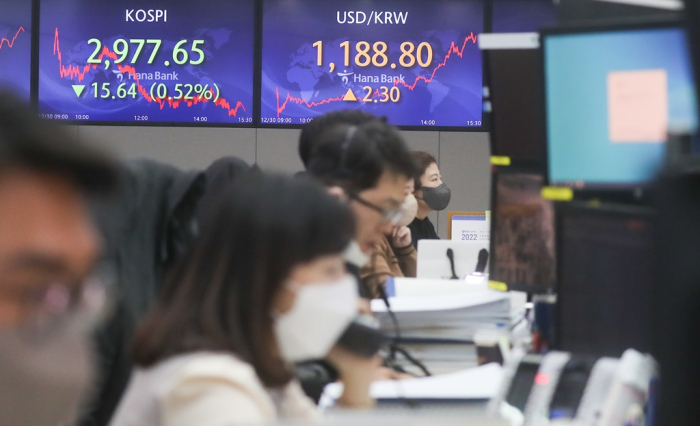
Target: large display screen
175,61
16,46
414,61
611,98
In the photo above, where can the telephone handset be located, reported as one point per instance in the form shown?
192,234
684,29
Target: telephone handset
565,389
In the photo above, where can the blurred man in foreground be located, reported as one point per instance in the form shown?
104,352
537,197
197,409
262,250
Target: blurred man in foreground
48,248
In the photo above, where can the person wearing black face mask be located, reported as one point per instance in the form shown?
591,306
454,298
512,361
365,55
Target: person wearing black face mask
432,194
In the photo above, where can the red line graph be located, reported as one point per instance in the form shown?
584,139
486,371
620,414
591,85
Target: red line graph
9,42
454,48
79,72
300,101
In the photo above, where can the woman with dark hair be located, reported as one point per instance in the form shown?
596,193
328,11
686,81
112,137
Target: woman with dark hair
263,287
432,194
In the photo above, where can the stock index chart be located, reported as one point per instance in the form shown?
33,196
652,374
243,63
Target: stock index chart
414,61
161,61
15,46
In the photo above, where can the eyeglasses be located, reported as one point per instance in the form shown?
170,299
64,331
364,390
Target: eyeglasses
393,216
47,306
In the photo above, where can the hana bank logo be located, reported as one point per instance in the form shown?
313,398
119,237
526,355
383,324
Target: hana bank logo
346,77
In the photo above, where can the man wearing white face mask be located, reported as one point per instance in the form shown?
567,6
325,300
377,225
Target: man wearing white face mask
47,249
394,255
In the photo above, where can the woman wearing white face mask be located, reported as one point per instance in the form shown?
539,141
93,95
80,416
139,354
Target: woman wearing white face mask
394,255
262,288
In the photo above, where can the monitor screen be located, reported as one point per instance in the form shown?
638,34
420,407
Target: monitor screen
517,104
16,46
517,16
605,297
611,97
414,61
522,240
152,61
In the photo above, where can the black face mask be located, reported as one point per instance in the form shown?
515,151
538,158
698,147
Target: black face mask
437,198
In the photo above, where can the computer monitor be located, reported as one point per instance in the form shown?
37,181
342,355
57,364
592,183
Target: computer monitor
522,232
517,99
434,262
612,94
605,283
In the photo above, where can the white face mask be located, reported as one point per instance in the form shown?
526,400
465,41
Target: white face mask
354,254
409,209
318,318
42,380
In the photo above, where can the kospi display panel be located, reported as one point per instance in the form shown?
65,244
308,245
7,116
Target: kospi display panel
414,61
147,61
16,46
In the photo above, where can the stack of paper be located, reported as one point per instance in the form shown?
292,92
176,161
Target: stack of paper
421,287
451,317
438,357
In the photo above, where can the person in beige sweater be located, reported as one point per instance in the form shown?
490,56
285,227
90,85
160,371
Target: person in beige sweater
394,255
264,286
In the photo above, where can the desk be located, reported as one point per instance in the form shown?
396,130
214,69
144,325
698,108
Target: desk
471,414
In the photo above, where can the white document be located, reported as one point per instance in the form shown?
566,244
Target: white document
421,287
638,106
449,302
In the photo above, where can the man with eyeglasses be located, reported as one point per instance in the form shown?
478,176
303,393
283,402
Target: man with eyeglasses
370,165
48,248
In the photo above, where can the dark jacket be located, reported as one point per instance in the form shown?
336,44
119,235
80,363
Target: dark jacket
145,226
422,229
